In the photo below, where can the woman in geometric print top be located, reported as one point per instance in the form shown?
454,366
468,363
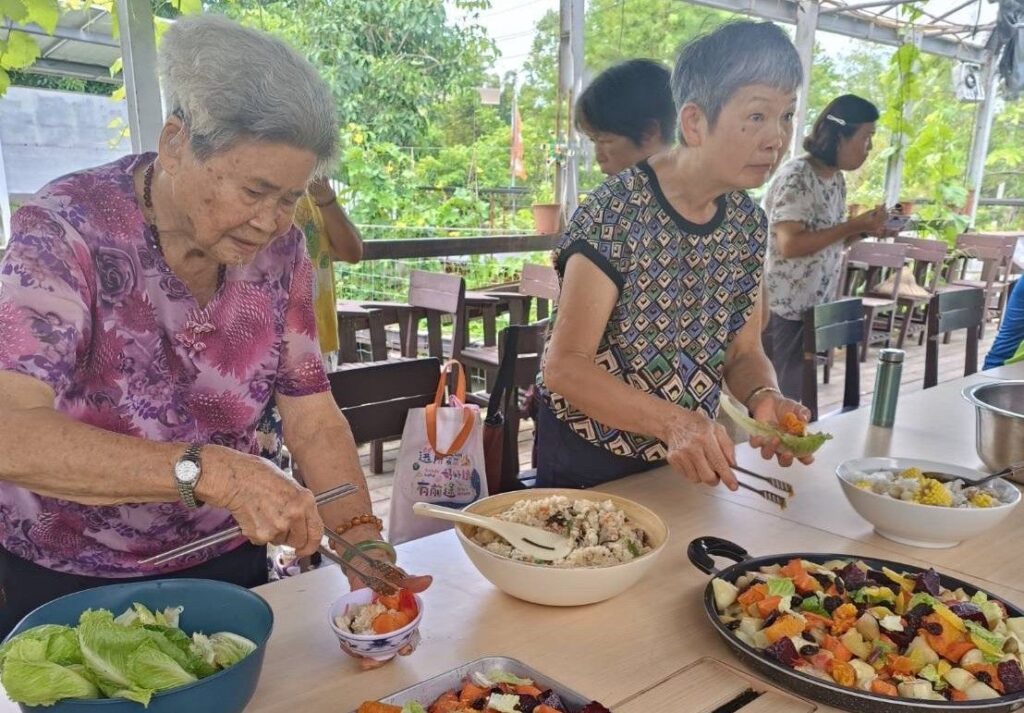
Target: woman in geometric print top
149,309
661,273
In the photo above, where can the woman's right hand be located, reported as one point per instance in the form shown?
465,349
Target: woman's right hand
700,449
871,222
269,506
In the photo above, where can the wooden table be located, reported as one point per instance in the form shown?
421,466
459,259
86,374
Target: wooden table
615,649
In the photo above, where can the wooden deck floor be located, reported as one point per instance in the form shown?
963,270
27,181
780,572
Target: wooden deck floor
830,396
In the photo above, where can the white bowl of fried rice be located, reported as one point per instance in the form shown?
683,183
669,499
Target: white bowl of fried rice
616,541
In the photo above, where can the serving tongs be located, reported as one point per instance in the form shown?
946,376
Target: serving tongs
768,495
382,577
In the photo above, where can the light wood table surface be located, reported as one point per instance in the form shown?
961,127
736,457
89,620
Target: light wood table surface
613,650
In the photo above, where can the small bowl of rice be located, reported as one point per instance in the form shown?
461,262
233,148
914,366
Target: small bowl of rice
615,542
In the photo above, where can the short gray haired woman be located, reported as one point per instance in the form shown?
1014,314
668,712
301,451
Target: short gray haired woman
806,207
149,310
661,272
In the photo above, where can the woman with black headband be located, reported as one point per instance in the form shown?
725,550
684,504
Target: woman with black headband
806,207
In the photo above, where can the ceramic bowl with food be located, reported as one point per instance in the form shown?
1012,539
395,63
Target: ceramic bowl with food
570,583
381,647
915,518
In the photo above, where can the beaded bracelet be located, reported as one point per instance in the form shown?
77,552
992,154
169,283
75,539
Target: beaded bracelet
359,520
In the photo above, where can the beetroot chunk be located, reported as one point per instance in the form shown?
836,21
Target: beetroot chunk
969,612
594,707
784,652
1011,676
928,581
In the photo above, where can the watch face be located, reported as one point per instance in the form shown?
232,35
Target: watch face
186,472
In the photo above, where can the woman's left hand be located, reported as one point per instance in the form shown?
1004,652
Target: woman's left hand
771,408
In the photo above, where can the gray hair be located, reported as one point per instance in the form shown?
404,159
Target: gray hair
713,67
229,83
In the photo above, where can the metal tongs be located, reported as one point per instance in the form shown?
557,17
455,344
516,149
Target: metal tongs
379,576
768,495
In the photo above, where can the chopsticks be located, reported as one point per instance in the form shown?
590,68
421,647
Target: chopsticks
233,532
768,495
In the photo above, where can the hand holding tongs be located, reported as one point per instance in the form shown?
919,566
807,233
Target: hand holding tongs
379,576
768,495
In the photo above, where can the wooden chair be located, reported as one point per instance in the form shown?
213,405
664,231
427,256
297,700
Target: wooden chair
950,310
826,327
927,259
538,282
375,397
879,259
996,256
432,296
528,341
530,346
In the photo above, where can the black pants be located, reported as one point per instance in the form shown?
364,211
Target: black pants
25,585
565,460
783,342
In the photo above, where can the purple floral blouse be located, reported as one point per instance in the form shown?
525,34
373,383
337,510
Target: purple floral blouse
88,305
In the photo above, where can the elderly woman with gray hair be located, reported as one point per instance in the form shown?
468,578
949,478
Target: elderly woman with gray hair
661,281
149,309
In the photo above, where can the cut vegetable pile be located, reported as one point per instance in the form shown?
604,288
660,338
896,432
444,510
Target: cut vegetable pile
492,692
889,633
131,656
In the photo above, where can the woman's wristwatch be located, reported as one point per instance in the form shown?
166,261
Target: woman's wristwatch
187,472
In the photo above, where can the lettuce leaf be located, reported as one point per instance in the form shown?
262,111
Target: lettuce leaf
797,445
781,587
60,644
32,680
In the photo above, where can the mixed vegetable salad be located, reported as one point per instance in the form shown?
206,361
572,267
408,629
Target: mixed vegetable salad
791,432
130,656
911,485
383,615
890,633
492,692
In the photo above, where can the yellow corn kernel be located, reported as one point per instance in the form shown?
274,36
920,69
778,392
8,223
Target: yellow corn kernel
932,492
983,500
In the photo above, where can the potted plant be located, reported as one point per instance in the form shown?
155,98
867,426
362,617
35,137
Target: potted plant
547,214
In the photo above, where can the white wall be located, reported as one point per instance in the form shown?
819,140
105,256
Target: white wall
45,134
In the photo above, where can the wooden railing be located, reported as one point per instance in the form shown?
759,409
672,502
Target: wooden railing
443,247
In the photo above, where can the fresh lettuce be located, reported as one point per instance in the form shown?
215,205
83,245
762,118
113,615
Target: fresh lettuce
797,445
814,605
132,656
990,643
413,707
781,587
30,678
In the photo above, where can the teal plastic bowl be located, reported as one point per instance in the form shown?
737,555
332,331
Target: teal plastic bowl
210,606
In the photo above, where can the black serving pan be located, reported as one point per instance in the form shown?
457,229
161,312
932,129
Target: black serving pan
701,551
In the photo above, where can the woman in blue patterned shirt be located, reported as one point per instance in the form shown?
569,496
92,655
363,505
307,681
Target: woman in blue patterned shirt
661,275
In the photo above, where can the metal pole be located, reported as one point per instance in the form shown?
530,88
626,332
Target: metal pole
806,24
138,49
894,166
5,201
575,89
982,133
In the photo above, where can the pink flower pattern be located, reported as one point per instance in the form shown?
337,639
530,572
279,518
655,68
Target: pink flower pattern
88,306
